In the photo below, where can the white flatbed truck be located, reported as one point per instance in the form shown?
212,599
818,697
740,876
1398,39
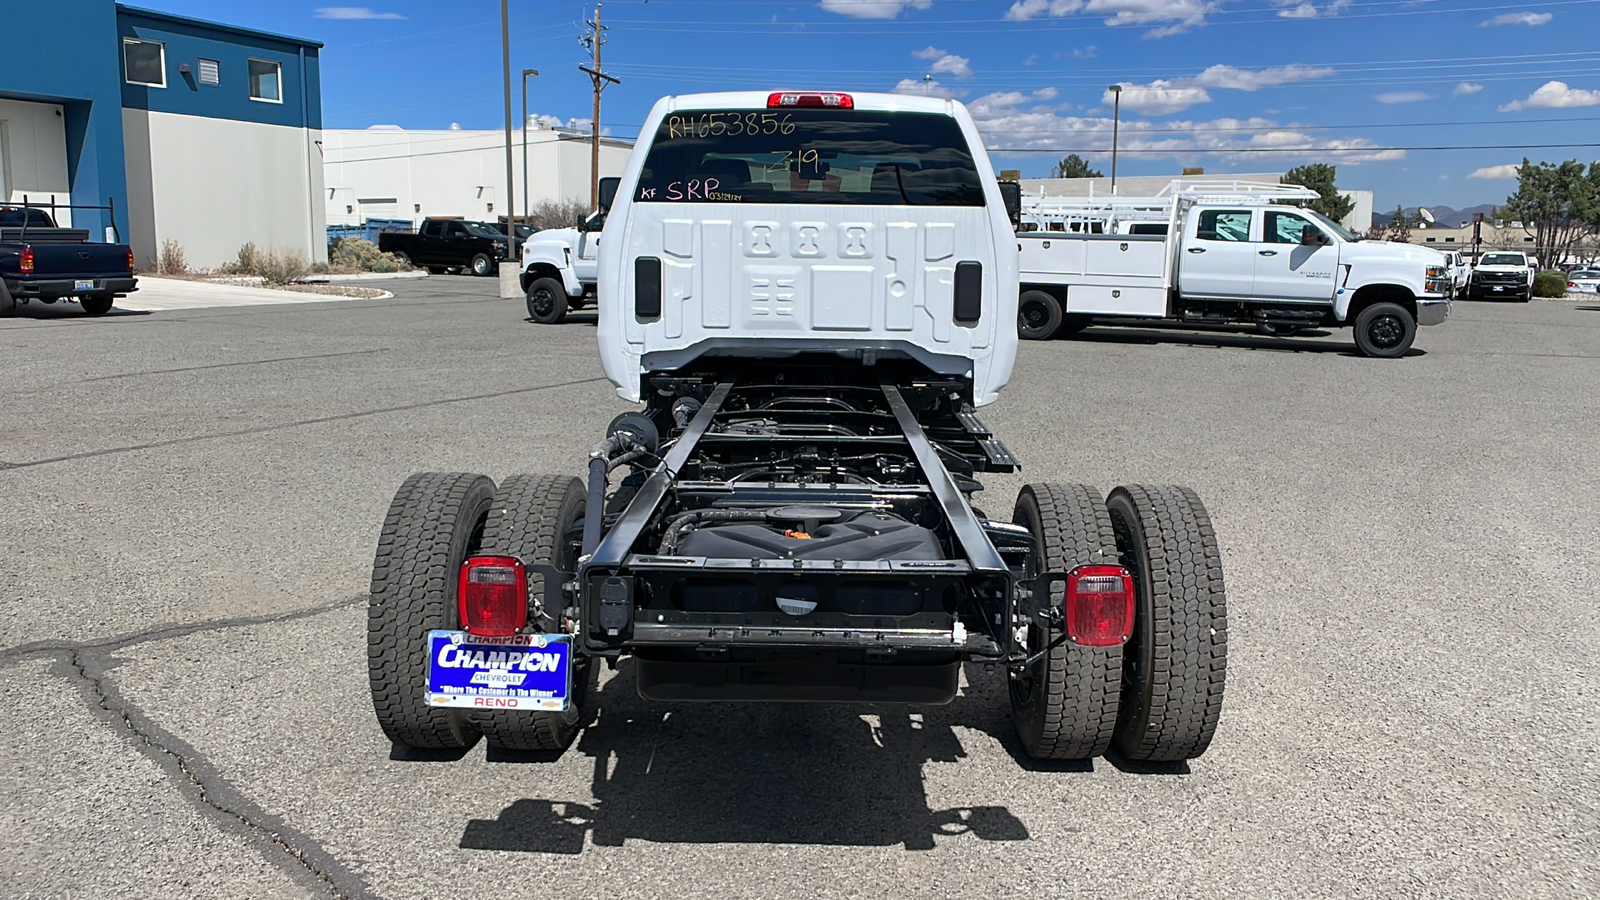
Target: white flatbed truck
1222,253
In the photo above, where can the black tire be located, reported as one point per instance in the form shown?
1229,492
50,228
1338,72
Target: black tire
1174,667
436,270
531,519
8,304
435,522
1385,330
1065,706
547,301
482,265
1038,316
96,304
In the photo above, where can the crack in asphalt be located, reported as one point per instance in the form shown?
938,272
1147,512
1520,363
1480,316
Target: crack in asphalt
167,632
320,420
200,783
230,365
191,774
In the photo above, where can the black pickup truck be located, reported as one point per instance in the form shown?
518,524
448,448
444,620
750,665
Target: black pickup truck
444,244
40,262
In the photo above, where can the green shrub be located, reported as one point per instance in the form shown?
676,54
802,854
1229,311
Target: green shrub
1550,284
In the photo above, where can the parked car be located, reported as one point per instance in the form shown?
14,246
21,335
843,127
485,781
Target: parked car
1506,274
40,262
1584,281
442,244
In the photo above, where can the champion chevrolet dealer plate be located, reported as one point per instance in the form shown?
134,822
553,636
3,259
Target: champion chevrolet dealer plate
522,671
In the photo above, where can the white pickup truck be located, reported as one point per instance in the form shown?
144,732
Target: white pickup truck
1224,255
1503,275
559,265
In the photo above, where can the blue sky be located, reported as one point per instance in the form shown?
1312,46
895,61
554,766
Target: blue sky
1224,84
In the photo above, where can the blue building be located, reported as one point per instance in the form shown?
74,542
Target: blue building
195,132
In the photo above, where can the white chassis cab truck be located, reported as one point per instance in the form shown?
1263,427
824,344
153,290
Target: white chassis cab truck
559,269
1226,255
809,293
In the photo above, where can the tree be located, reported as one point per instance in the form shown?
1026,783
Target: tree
1075,167
1557,205
1319,177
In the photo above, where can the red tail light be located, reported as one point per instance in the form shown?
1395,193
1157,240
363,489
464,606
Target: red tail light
1099,605
493,595
130,259
27,261
797,98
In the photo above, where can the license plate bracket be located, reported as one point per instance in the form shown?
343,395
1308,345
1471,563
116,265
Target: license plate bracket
83,285
527,672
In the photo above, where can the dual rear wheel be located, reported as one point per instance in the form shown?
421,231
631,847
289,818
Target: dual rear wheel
436,521
1159,696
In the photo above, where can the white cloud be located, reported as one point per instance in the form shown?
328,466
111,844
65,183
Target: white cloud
1089,52
1006,121
945,63
1401,97
1465,88
872,9
353,12
1046,93
1518,18
1306,9
1158,98
1023,10
1494,173
1221,76
1555,95
1180,15
931,88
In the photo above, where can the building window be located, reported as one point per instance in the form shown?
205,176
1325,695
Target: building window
1449,240
144,62
209,72
265,81
1432,240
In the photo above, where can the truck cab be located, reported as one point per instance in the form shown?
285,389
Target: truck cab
868,231
560,266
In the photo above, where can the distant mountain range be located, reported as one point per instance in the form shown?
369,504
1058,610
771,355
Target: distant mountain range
1445,216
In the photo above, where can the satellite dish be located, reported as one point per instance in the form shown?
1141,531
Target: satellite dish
1426,214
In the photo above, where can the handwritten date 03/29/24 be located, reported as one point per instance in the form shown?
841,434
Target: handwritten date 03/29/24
717,124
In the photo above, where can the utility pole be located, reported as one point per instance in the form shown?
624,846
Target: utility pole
505,58
1116,120
594,40
526,209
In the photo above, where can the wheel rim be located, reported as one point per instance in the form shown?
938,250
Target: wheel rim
1386,332
541,302
1022,686
1032,318
480,266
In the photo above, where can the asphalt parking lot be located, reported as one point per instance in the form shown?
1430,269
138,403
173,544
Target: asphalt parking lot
191,500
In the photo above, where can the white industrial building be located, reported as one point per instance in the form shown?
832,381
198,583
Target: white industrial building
386,172
1359,219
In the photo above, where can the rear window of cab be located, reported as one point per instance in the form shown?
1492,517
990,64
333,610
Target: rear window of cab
812,156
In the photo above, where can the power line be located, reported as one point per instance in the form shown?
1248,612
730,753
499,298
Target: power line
1248,149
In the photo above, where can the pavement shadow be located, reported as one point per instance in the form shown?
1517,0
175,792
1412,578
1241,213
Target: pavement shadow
589,316
747,773
1133,334
1588,308
66,310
